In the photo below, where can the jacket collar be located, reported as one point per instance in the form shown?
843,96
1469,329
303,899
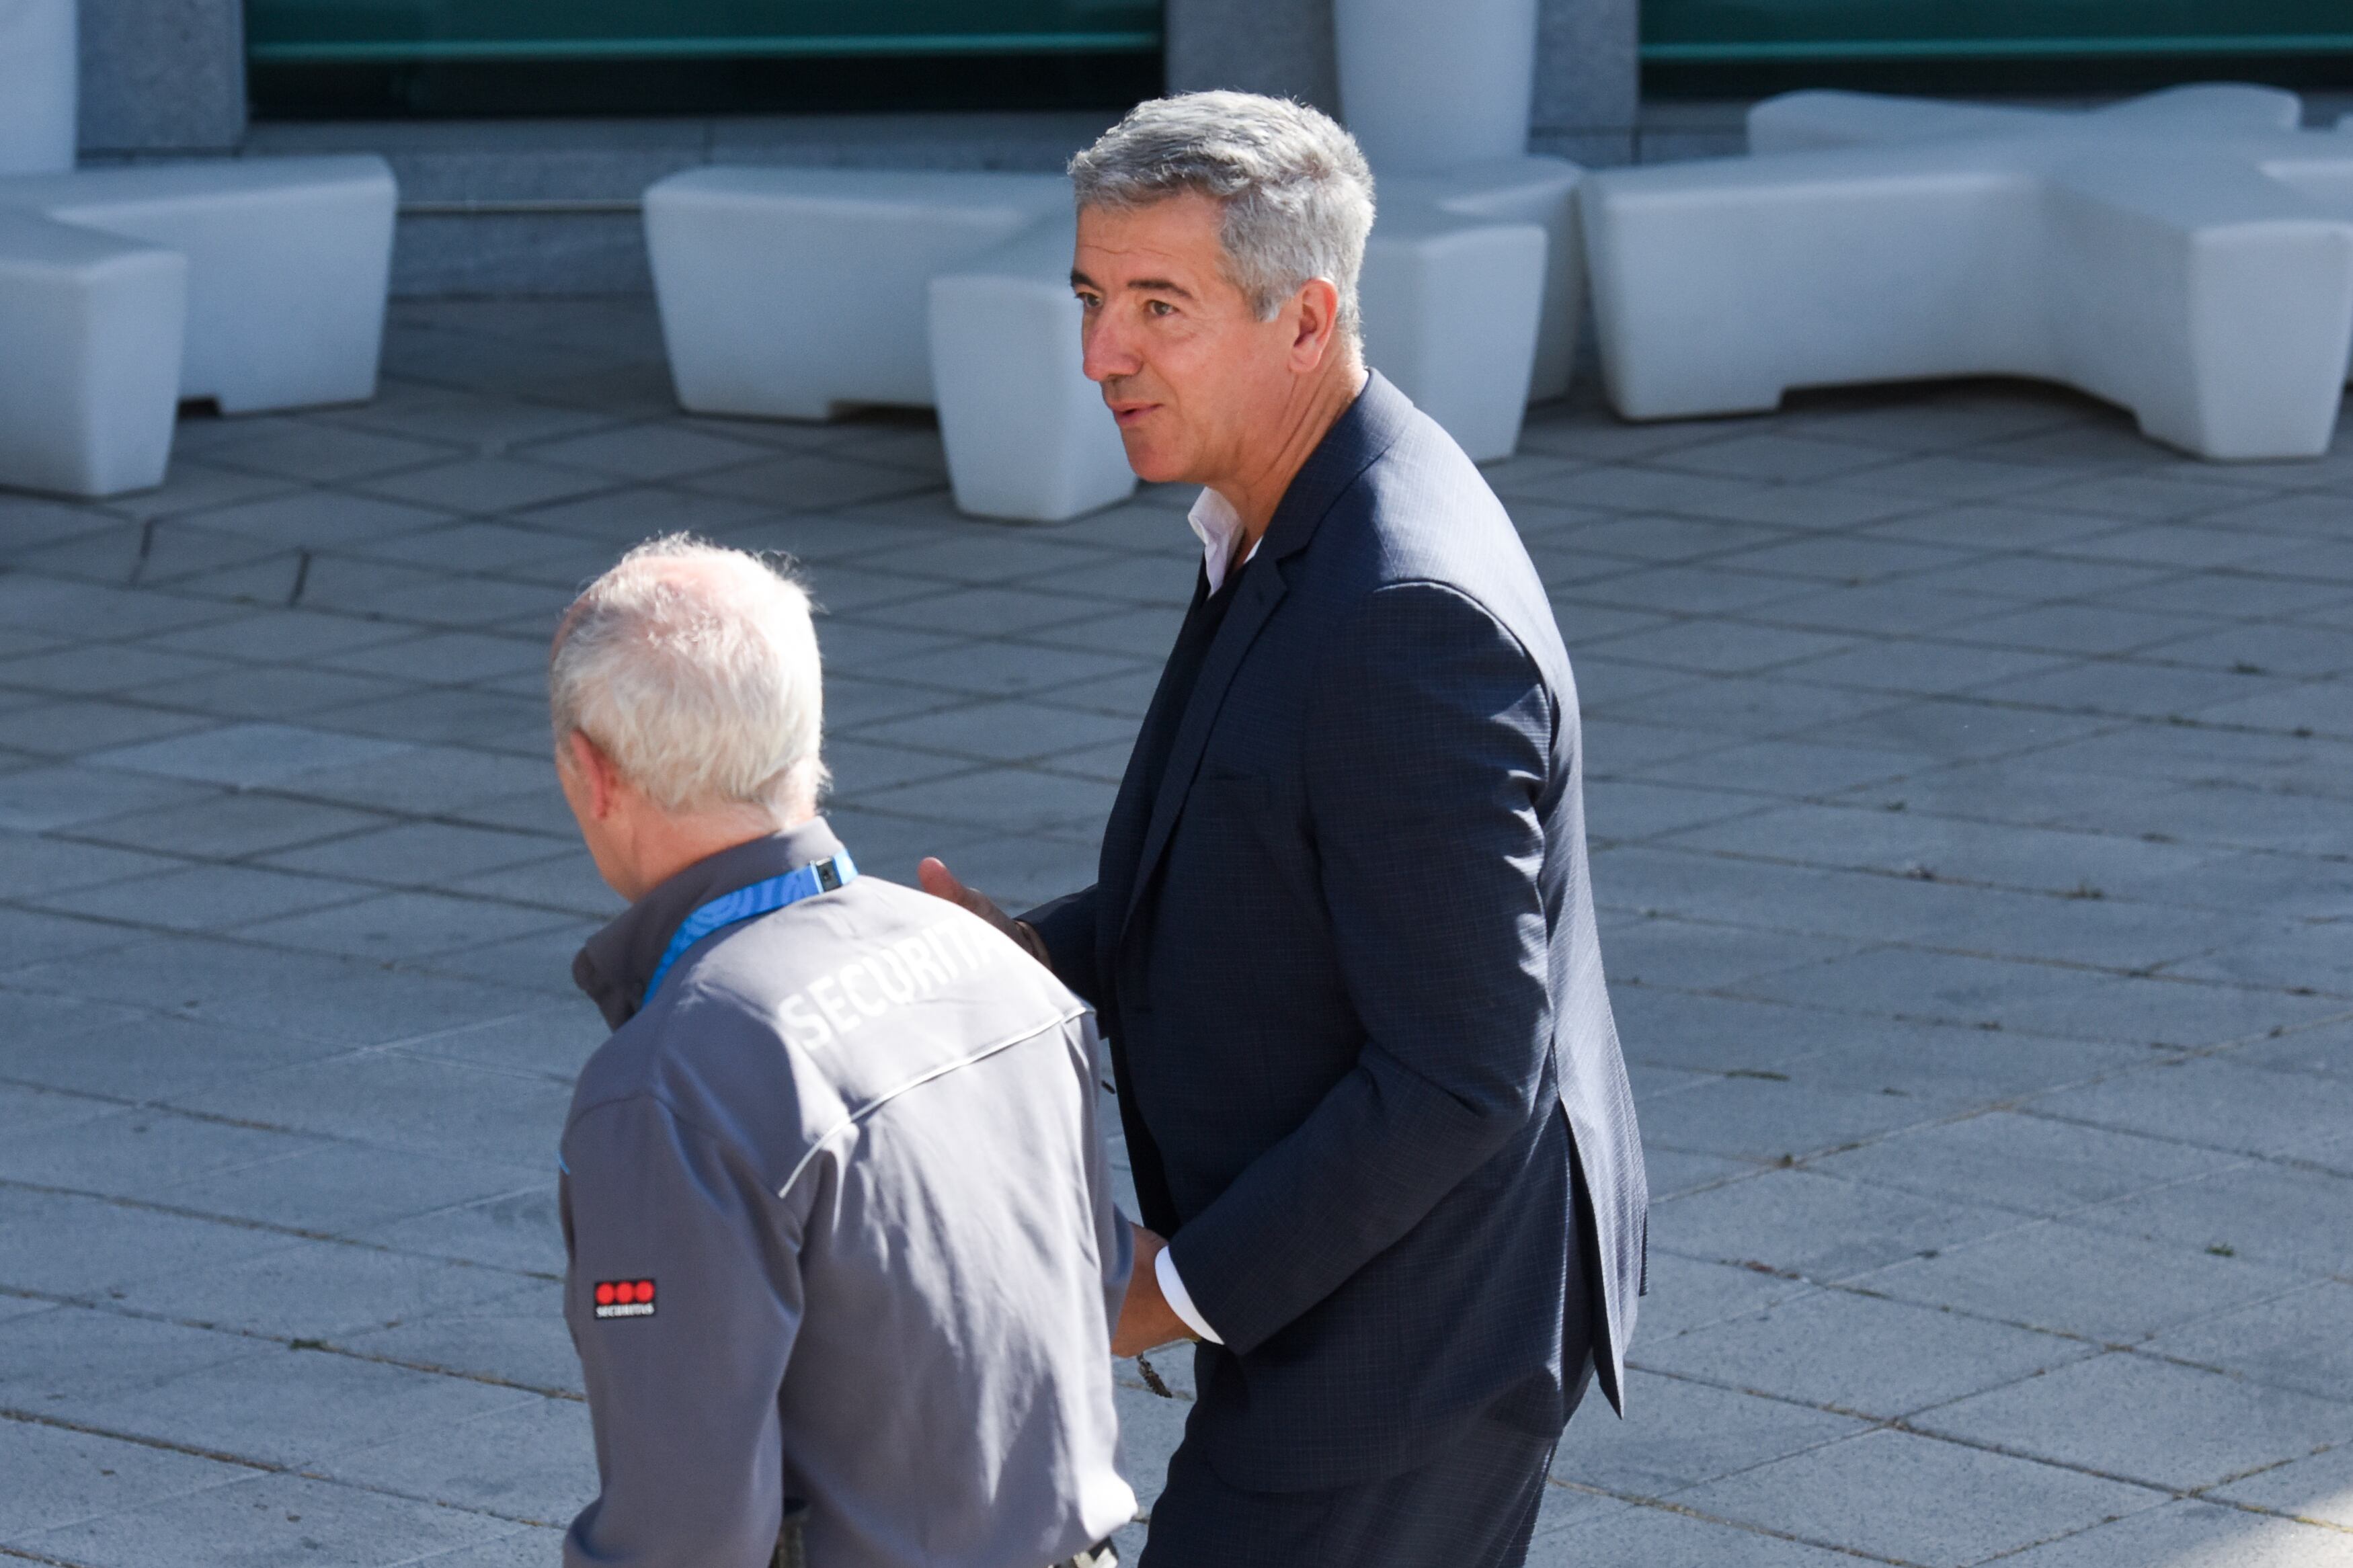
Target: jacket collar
1369,427
615,964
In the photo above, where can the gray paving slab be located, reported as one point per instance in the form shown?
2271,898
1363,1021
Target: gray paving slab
2281,1215
2189,1533
224,827
115,1243
1655,1538
532,1460
310,996
395,926
58,1477
2320,1488
332,1187
517,1231
418,854
2151,1421
44,799
281,1406
208,898
518,1339
426,1106
1862,1354
243,755
61,1355
1962,1505
136,1152
2214,1101
2065,1278
305,1289
2299,1338
270,1520
129,1055
1679,1433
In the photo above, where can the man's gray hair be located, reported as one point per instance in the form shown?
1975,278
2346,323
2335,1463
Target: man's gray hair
694,668
1297,192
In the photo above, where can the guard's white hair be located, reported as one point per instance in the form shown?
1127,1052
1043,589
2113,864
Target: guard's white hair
1297,192
694,668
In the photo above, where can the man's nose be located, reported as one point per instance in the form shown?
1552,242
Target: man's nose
1104,352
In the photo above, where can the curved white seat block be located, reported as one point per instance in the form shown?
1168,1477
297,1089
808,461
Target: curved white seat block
1451,311
1026,433
38,86
89,357
2182,256
289,260
795,293
1537,190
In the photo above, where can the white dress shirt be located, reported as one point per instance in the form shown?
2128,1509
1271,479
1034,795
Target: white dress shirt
1181,1300
1215,523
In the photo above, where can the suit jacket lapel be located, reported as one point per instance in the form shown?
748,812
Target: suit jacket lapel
1255,597
1361,435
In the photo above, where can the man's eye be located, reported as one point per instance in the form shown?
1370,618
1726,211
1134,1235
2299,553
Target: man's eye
1089,302
1160,308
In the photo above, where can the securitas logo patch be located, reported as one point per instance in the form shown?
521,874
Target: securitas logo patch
625,1298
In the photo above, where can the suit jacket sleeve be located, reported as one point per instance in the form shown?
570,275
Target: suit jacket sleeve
683,1401
1428,744
1067,927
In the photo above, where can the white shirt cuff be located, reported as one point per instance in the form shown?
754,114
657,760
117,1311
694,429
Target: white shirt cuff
1172,1290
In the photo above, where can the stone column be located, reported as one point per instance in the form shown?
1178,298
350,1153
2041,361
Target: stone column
1589,81
1588,78
161,77
1283,47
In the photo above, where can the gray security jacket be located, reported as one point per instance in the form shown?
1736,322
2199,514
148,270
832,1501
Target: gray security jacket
840,1228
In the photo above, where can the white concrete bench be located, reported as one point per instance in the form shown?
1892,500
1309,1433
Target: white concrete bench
89,357
289,261
280,301
2184,255
795,293
1026,434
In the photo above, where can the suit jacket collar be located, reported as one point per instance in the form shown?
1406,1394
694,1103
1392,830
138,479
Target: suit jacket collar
616,963
1369,427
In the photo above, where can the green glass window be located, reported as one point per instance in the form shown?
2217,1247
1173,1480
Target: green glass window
698,56
1737,46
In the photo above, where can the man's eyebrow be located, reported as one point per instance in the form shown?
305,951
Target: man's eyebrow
1141,285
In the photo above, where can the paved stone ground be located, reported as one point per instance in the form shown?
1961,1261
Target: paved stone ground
1972,781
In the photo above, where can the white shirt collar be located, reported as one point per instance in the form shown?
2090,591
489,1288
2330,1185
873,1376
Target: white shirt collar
1215,523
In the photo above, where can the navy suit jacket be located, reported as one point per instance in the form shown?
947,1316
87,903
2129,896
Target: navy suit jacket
1347,957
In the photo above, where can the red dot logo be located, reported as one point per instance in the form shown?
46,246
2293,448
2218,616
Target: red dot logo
604,1294
645,1290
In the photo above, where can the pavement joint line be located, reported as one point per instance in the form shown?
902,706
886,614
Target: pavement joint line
260,1466
292,1342
271,1228
1668,1505
2172,1492
1906,1424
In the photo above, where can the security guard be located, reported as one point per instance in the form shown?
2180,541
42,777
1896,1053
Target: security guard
842,1247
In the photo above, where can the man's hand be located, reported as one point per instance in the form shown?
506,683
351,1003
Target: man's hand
941,883
1147,1322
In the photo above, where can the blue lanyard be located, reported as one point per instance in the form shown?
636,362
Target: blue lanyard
747,903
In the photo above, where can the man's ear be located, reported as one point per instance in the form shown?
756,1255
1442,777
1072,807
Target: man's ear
596,771
1316,315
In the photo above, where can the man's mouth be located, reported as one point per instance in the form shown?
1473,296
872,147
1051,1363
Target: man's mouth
1128,413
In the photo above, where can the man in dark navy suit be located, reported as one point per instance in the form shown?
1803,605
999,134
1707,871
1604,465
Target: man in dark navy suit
1342,939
